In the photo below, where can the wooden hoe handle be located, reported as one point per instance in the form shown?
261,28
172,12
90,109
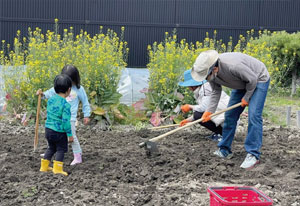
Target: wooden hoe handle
165,126
36,136
155,139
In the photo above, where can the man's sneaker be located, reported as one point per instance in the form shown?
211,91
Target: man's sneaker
249,162
42,155
215,137
219,153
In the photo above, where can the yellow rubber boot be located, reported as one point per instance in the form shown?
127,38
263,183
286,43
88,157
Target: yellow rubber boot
58,168
45,166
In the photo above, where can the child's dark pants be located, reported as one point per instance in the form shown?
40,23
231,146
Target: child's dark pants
209,125
57,143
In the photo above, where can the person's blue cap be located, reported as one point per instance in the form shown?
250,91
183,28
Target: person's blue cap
189,81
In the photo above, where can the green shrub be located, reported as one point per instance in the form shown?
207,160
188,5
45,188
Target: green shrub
99,58
167,62
285,51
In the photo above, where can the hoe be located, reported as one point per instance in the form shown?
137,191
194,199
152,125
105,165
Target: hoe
151,146
36,135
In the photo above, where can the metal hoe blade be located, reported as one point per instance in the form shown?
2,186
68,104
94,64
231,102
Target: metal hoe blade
151,148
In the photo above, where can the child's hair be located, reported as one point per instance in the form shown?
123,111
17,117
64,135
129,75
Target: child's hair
62,83
73,73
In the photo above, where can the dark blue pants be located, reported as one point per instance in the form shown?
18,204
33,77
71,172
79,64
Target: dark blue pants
253,140
57,143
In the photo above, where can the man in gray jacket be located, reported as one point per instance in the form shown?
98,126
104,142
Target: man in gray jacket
249,79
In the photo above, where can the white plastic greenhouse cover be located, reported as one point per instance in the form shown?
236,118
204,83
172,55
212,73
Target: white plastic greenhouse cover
131,83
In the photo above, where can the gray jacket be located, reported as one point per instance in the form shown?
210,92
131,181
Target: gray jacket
237,71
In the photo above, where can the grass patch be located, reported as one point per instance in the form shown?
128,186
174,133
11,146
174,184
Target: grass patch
280,101
271,115
29,192
276,107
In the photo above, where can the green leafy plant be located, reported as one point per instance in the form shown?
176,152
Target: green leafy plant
29,192
33,63
285,52
167,62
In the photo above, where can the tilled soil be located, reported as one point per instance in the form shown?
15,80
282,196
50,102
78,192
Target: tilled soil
116,171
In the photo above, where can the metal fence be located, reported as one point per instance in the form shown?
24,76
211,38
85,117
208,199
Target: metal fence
146,21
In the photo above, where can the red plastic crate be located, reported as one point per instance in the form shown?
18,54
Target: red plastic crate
237,196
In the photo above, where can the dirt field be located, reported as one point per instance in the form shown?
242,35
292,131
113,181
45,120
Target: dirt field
117,172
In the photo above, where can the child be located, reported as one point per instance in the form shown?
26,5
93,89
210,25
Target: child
202,92
58,127
77,94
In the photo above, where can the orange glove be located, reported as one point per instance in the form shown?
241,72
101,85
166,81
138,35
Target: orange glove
185,108
184,122
244,103
206,116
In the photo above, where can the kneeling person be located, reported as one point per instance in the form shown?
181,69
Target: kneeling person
202,92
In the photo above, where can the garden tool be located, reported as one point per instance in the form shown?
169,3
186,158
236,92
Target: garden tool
165,126
146,132
36,136
151,146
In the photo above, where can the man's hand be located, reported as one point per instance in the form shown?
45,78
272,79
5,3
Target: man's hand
244,103
184,122
70,139
86,120
206,116
186,108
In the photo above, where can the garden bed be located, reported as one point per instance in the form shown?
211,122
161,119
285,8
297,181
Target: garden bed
117,172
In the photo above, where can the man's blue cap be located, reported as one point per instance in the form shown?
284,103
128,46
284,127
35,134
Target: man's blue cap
189,81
